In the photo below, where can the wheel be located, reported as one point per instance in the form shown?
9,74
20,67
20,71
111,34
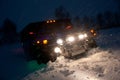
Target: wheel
70,55
92,43
43,58
39,61
53,57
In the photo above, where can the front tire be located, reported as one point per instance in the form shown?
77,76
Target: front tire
92,43
43,58
53,57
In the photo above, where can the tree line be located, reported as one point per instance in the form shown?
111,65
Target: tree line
104,20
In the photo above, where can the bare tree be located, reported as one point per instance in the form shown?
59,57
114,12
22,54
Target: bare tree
77,22
87,22
108,18
117,19
9,31
100,21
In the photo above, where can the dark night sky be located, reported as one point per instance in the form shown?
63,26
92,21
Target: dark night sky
22,12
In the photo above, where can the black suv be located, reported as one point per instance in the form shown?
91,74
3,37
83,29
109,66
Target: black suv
44,41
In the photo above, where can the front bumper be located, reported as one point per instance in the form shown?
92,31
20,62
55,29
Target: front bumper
71,50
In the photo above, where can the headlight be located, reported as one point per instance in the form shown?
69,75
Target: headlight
70,39
85,35
82,36
57,50
60,41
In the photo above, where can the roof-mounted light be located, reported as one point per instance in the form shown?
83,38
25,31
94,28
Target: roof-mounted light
50,21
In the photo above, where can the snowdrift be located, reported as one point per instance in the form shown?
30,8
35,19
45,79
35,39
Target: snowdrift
102,65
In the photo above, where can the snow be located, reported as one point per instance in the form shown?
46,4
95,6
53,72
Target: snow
100,66
101,63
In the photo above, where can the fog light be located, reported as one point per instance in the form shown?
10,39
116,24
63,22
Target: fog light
57,50
70,39
60,41
81,36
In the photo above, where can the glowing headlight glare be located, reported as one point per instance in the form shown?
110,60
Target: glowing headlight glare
81,36
57,50
85,35
70,39
60,41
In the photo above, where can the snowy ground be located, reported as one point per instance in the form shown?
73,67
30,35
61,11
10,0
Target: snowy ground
103,64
